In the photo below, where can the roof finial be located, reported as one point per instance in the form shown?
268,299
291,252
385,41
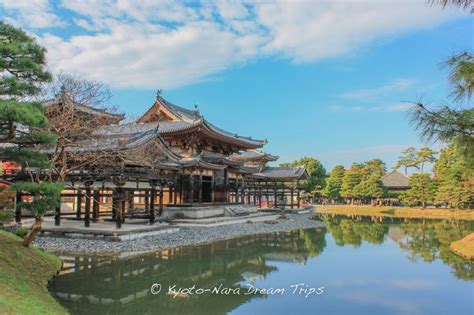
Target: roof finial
196,109
158,93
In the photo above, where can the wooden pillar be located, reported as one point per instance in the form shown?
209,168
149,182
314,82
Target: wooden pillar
17,207
275,203
160,201
147,201
131,199
191,190
152,203
114,206
291,197
78,204
259,197
95,205
298,197
175,185
87,210
170,193
213,187
57,214
118,204
181,189
200,188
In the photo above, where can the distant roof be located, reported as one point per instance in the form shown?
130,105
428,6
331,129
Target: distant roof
192,118
298,172
253,155
395,179
65,99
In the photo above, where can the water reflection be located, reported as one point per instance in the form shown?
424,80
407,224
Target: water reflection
107,285
99,285
428,240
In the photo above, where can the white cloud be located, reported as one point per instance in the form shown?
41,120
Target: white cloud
165,44
397,85
31,13
306,32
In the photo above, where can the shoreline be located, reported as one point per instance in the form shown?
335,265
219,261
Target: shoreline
187,236
395,212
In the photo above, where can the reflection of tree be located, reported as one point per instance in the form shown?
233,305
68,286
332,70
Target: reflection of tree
314,240
430,240
104,285
346,231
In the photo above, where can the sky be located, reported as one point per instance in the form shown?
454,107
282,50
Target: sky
330,80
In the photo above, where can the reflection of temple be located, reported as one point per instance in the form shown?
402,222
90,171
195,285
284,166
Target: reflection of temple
170,157
100,285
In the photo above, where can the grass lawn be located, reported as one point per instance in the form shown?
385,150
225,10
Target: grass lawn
464,247
24,275
398,212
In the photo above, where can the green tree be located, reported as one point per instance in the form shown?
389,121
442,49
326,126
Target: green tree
422,190
375,167
23,125
409,158
334,183
370,188
455,178
352,177
446,124
316,172
426,155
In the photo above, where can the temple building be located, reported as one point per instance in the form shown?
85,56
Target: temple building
170,158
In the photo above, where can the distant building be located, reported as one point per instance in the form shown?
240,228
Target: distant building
395,183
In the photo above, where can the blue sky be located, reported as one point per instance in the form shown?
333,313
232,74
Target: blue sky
327,80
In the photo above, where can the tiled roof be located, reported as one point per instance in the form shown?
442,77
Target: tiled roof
131,128
194,118
298,172
395,179
198,161
65,99
253,154
181,112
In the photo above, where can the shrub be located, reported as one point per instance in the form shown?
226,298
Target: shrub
21,231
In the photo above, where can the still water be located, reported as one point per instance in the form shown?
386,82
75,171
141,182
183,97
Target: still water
347,267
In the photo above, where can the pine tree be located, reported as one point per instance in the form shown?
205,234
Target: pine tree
425,155
351,179
334,183
422,190
455,178
23,124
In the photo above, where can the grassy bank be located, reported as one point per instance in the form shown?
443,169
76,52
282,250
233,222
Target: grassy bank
397,212
464,247
24,275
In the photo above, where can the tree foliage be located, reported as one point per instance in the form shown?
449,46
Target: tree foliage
455,178
316,171
408,159
23,124
334,183
422,190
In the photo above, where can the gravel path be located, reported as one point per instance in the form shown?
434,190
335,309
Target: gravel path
186,236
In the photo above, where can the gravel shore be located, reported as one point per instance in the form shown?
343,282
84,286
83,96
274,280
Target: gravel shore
186,236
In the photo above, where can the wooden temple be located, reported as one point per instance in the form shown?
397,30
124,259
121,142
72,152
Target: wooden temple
170,158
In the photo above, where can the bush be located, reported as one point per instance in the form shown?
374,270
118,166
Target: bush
5,217
21,231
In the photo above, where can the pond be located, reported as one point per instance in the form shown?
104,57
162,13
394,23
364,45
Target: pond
348,267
